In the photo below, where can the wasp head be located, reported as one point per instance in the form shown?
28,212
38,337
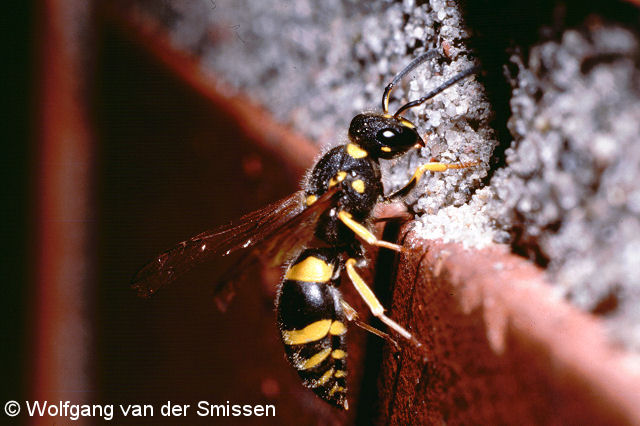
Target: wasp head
383,135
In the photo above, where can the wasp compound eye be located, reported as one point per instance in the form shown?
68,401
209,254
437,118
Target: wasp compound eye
396,140
383,136
386,136
400,138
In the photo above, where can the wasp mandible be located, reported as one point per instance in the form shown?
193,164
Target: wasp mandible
322,228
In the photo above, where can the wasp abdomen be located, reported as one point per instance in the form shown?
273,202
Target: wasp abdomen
312,324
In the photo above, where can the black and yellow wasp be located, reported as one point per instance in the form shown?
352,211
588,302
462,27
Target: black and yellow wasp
321,228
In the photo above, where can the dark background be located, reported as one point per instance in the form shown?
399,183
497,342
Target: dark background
17,44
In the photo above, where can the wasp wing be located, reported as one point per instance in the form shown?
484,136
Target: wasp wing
243,234
275,250
275,231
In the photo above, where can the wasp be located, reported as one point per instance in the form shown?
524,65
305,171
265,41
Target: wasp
320,232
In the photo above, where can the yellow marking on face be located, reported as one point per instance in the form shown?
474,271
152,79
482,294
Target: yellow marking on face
310,270
358,185
311,199
314,331
324,379
335,389
355,151
385,149
338,354
337,328
315,359
340,373
339,177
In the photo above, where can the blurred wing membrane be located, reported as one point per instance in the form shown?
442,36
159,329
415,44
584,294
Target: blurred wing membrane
274,232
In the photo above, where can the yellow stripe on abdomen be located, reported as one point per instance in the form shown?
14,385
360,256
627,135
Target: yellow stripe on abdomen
324,378
338,354
335,388
314,331
337,328
315,359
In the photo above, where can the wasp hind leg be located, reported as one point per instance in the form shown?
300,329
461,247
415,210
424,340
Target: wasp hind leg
374,304
365,292
352,316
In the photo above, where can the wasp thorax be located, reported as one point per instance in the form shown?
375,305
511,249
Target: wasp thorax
383,136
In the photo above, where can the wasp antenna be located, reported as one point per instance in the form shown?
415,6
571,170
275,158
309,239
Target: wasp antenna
443,86
412,65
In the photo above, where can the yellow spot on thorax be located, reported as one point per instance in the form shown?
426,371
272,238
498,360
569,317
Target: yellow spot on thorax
338,354
385,149
315,359
355,151
310,270
311,199
314,331
358,185
337,328
339,177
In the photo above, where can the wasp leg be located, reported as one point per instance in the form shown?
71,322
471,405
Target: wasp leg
374,304
362,232
352,316
428,167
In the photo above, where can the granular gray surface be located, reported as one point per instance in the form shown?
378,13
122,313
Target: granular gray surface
571,188
567,197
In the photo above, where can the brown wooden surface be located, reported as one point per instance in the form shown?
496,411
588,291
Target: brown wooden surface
500,348
61,339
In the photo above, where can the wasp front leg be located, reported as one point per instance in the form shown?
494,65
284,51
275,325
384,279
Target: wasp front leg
433,166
